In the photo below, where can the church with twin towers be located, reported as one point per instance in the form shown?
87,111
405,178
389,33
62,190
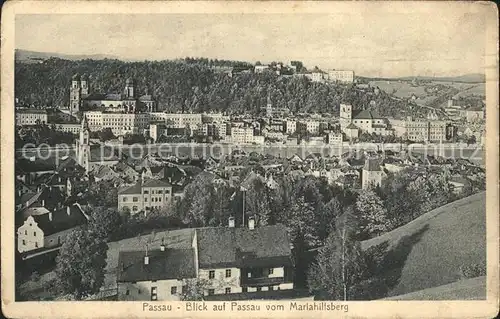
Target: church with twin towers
82,99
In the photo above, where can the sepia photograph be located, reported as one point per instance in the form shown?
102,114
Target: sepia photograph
249,159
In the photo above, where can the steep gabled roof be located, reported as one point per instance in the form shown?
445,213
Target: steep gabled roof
60,220
169,264
243,247
372,164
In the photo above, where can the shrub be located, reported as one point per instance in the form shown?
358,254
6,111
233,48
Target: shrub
472,271
35,276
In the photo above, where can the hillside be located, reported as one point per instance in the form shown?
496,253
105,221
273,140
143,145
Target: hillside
27,56
467,289
194,86
429,251
466,78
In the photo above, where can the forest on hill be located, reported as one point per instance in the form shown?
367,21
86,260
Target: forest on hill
195,85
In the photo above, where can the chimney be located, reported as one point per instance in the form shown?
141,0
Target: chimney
162,246
251,223
146,257
43,202
50,216
68,210
231,222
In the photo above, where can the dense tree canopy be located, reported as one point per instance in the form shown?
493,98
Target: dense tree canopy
194,85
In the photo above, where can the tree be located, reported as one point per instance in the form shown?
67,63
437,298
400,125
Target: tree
371,214
105,223
80,263
339,267
194,289
326,220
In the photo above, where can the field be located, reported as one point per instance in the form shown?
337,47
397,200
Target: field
477,89
468,289
403,89
429,251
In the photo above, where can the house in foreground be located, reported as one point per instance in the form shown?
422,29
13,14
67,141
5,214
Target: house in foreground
230,260
44,229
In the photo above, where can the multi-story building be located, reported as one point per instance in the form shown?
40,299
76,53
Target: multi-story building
221,129
49,229
334,138
242,135
156,130
119,123
308,126
343,76
69,127
372,173
315,76
230,260
419,130
31,116
437,131
290,126
145,195
81,97
370,122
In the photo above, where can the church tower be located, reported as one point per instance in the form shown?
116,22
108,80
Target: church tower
345,116
83,145
269,106
75,95
129,89
84,84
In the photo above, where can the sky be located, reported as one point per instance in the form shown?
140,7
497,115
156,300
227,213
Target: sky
372,43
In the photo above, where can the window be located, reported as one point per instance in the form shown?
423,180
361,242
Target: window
124,199
271,288
244,289
211,292
228,291
139,291
146,192
34,233
36,244
134,208
127,292
159,199
259,288
154,294
211,274
145,199
173,290
135,199
26,232
271,270
160,191
184,289
249,275
24,242
228,273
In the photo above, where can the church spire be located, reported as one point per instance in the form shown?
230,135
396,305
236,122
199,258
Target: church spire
85,123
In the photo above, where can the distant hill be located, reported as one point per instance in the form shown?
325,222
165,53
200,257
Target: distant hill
36,57
429,251
466,78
